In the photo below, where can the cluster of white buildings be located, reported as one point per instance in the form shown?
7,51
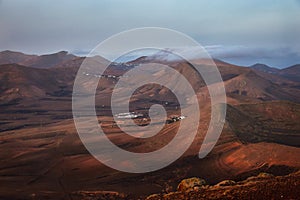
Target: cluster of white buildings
129,115
103,76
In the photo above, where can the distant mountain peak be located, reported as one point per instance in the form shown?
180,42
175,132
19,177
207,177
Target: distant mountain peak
260,65
9,57
60,53
265,68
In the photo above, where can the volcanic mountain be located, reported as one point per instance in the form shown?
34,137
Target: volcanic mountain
10,57
43,61
291,73
265,68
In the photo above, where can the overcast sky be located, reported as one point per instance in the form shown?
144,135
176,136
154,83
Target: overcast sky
242,32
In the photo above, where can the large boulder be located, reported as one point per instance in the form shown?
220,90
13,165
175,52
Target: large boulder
265,175
153,197
260,176
190,184
226,183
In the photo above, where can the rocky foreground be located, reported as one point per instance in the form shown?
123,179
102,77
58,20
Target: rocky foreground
262,186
